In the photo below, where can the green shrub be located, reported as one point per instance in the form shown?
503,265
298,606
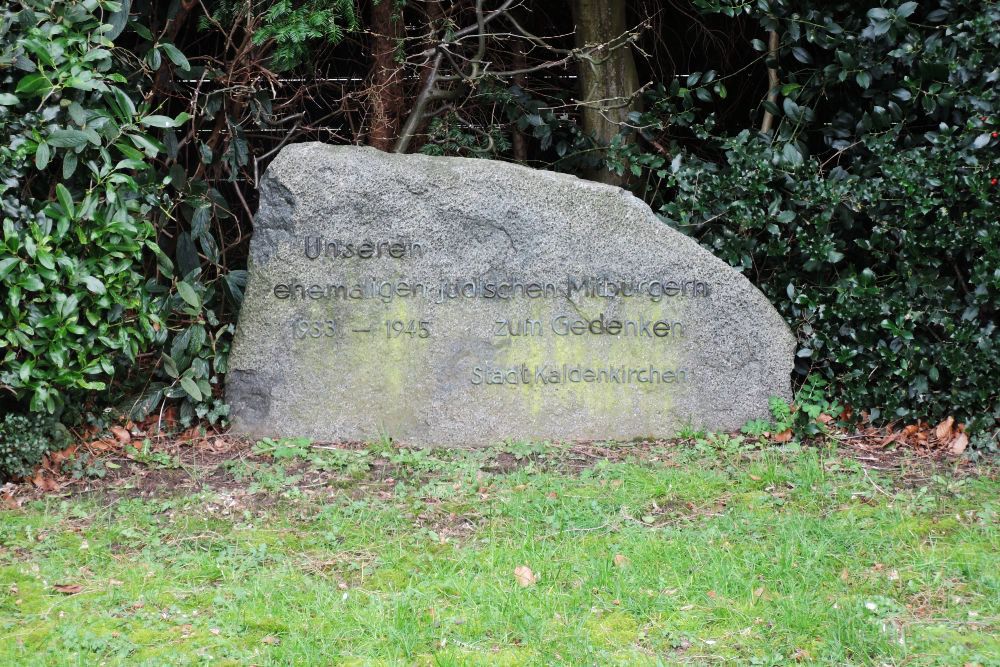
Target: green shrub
25,439
76,191
868,215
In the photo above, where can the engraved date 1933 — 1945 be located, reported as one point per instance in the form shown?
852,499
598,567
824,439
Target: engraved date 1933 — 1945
307,328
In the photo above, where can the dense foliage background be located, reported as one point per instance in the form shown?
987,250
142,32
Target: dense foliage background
842,155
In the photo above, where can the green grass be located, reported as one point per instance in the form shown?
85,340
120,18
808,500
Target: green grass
300,555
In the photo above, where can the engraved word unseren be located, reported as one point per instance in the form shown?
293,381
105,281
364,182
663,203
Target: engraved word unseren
317,246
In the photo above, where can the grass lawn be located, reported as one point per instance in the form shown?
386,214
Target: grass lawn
709,551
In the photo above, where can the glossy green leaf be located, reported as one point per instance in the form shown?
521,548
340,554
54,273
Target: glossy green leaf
33,83
170,366
176,57
68,138
65,199
191,387
158,121
187,293
42,155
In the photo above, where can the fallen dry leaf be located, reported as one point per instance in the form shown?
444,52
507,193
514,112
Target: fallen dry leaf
784,436
620,560
273,641
44,483
959,444
755,478
910,430
525,577
943,430
123,435
68,589
100,445
56,458
891,438
711,594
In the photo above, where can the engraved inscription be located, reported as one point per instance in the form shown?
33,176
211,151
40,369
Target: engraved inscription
317,246
397,328
572,287
565,374
575,289
314,329
564,324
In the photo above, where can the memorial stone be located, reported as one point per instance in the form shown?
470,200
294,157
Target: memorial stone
461,301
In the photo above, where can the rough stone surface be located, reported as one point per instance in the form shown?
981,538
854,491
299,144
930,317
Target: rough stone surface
433,370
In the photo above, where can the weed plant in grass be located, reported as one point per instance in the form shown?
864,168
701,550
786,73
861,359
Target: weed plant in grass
652,555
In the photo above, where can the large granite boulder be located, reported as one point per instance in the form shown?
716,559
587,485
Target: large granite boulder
461,301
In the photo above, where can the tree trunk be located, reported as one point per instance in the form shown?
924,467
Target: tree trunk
772,82
385,87
519,141
608,80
